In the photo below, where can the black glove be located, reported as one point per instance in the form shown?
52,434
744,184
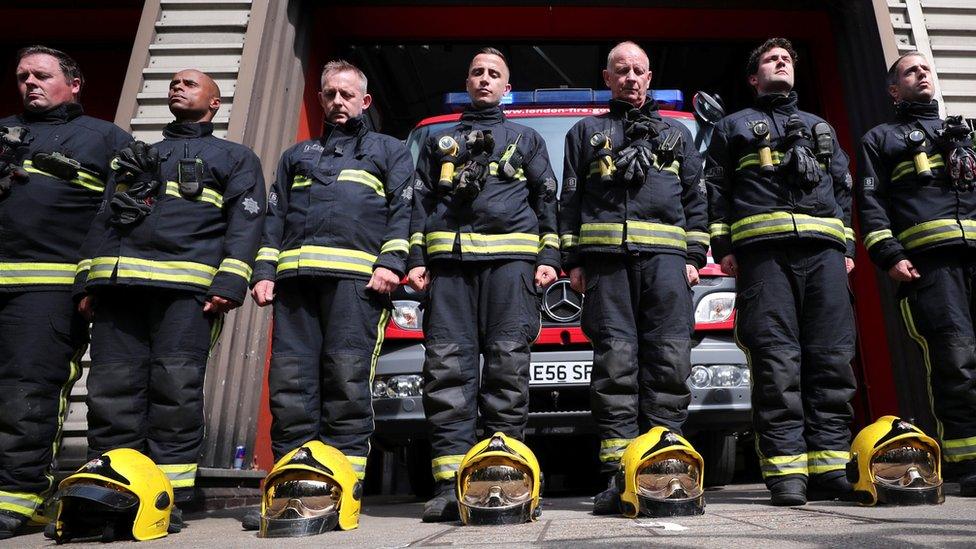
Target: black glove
11,140
127,210
799,161
474,172
136,166
634,161
956,141
639,125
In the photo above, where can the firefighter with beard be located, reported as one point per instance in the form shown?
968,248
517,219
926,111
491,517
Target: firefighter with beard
54,161
779,197
918,215
633,232
170,253
483,237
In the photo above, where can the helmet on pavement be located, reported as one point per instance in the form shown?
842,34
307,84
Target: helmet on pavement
894,462
499,482
663,476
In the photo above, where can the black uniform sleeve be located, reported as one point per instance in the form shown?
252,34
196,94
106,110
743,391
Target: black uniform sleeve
872,199
574,175
266,263
244,211
694,204
424,199
399,197
542,199
719,172
840,174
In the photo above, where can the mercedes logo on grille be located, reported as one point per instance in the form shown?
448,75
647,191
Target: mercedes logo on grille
561,303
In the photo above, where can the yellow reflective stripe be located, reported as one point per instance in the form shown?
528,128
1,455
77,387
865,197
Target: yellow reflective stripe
440,242
752,159
235,266
511,243
656,234
719,229
445,467
493,170
358,466
929,232
908,167
824,461
849,234
550,240
612,449
569,241
83,266
601,233
22,503
323,257
786,222
206,195
698,237
83,179
417,239
906,314
20,273
783,465
959,449
395,245
674,168
300,181
180,475
268,254
188,272
363,177
874,237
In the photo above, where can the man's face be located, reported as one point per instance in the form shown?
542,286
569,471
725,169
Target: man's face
487,80
628,75
775,72
914,81
342,97
193,96
43,85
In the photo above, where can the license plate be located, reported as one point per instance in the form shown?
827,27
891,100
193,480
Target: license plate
544,373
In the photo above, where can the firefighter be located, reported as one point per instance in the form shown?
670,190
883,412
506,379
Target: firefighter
334,247
483,237
918,213
779,197
54,162
633,233
169,253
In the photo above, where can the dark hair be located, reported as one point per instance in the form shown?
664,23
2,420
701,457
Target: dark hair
488,50
68,65
893,69
752,66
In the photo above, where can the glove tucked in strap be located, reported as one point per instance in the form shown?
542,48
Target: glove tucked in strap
956,141
799,162
136,179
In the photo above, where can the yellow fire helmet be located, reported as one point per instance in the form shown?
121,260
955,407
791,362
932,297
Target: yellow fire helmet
894,462
663,476
499,482
119,493
311,490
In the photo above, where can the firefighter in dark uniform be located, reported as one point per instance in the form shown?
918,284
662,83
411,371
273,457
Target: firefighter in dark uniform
54,162
334,247
170,252
779,205
483,236
633,234
918,216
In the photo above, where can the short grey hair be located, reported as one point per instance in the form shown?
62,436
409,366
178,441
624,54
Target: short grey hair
893,69
341,65
620,46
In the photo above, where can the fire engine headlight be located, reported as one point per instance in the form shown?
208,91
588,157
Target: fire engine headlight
407,315
719,376
398,386
715,307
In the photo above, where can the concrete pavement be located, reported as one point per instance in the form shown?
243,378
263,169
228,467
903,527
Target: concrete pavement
735,516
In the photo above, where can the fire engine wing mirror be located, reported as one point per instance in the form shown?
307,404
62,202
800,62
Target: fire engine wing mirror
708,108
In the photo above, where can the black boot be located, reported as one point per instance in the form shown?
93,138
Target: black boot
252,519
607,502
967,485
443,507
830,486
175,520
788,490
10,523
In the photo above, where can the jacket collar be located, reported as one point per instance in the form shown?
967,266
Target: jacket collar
777,102
487,116
620,108
907,111
353,127
187,130
58,115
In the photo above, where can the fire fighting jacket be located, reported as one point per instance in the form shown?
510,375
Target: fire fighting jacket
339,207
205,244
511,218
664,214
747,207
902,213
43,220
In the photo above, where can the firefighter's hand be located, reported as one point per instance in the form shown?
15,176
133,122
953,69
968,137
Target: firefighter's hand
263,292
87,307
904,271
577,279
692,273
849,264
417,278
544,275
729,265
383,280
219,305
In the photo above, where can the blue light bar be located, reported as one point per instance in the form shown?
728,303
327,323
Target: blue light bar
668,99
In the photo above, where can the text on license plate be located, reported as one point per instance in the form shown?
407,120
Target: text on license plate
559,372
